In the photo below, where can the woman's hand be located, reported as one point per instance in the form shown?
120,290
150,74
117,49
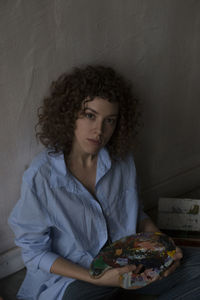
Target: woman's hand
112,277
177,258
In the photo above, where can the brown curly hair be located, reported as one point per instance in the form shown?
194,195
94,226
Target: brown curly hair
60,109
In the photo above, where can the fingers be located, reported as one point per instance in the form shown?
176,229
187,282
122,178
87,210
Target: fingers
126,269
178,255
172,268
130,268
177,258
138,269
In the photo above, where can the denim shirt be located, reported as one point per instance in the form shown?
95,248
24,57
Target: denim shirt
57,216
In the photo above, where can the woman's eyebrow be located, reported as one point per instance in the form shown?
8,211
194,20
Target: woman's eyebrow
95,112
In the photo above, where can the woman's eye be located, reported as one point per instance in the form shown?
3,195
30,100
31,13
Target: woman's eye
89,116
111,121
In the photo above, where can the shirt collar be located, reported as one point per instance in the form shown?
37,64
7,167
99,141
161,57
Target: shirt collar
103,164
58,166
60,175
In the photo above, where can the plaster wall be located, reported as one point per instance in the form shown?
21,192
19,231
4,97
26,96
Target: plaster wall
154,43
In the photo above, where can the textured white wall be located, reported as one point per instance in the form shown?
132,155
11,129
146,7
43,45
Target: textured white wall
154,43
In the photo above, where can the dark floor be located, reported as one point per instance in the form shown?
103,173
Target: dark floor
10,285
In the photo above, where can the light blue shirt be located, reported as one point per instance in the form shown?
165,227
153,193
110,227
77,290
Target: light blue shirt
57,216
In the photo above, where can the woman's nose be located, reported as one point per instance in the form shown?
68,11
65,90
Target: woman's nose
99,127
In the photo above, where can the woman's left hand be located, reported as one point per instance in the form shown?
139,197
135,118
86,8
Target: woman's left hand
177,258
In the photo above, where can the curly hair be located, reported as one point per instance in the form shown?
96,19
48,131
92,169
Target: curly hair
59,112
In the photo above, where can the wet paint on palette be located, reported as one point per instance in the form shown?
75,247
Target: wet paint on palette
154,251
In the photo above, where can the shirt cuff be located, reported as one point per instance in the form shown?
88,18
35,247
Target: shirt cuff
47,260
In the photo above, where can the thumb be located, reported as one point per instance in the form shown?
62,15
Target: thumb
127,269
179,254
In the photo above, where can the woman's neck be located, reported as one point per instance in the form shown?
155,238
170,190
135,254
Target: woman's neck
84,169
83,160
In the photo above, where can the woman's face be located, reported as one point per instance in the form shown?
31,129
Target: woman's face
95,126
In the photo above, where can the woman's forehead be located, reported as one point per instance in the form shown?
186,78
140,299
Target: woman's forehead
101,105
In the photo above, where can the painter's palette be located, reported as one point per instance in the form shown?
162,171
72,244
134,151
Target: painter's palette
154,251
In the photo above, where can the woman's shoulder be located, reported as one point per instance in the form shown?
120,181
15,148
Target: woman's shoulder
40,161
127,161
41,167
126,166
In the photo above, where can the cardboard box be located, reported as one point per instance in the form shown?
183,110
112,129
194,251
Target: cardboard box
179,214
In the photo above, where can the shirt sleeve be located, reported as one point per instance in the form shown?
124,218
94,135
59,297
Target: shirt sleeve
32,227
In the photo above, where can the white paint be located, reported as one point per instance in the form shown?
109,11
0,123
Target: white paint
154,43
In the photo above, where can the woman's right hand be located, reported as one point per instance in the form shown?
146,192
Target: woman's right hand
112,277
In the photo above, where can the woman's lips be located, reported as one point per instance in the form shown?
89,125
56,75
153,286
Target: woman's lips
95,142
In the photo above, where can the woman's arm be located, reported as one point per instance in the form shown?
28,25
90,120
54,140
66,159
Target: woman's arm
64,267
111,277
30,222
147,225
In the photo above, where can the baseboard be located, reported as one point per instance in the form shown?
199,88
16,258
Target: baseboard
177,185
10,262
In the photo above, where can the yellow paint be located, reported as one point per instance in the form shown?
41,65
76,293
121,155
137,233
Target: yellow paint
171,253
118,252
158,233
194,210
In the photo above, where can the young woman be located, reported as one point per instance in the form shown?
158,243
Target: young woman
80,192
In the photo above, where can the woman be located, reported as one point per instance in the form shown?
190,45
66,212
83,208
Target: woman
80,193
